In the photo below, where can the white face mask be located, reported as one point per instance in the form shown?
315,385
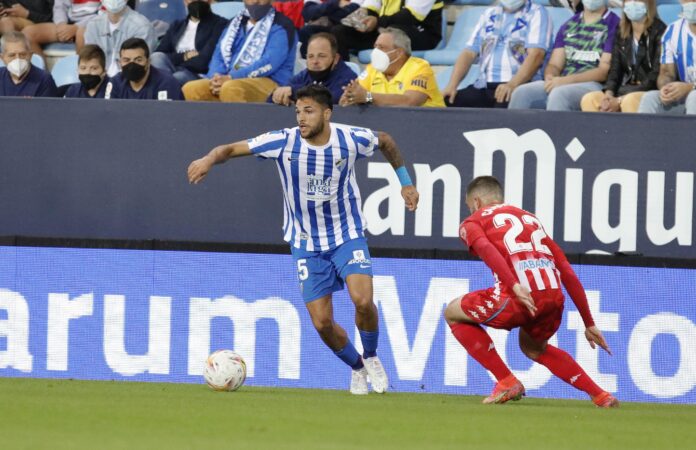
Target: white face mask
114,6
18,67
380,59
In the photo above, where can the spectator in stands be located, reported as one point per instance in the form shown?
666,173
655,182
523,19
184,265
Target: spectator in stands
91,69
138,79
15,15
420,19
19,78
677,79
579,62
292,9
321,16
120,23
255,55
510,41
186,48
635,60
70,17
394,77
324,67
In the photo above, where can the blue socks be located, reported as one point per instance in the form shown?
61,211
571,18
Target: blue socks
369,342
350,356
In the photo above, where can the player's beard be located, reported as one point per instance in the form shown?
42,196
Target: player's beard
313,132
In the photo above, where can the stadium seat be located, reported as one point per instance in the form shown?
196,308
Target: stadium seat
471,2
669,13
354,66
463,27
35,60
59,49
165,10
364,55
227,9
443,77
558,16
65,70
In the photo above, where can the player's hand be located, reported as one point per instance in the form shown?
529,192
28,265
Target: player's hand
450,92
369,24
503,92
524,296
17,10
553,83
594,336
65,32
675,91
281,95
198,169
411,196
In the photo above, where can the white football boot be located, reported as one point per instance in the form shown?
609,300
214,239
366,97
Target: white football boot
358,382
377,374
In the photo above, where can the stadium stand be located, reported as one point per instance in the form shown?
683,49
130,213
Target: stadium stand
165,10
64,71
364,56
463,27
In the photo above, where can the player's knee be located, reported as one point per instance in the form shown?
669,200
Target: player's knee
324,326
452,315
363,303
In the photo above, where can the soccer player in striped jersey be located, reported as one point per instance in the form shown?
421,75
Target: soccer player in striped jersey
323,222
677,79
529,268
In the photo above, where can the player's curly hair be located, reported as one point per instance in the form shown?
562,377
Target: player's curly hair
318,93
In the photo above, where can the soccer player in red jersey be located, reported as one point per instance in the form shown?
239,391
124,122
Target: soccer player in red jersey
529,268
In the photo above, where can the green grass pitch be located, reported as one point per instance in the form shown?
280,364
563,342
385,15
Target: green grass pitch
67,414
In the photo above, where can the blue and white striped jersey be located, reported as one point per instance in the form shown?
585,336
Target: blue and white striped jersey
322,200
679,48
501,39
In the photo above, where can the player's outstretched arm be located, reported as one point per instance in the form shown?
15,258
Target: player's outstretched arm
577,294
391,152
199,168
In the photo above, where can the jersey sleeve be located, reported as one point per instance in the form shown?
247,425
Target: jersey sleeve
422,80
539,35
571,282
469,232
269,145
366,141
668,47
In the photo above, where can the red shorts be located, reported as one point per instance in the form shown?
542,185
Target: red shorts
503,310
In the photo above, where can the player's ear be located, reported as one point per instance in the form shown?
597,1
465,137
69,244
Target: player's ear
327,114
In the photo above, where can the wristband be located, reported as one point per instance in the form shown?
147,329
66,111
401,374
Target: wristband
404,178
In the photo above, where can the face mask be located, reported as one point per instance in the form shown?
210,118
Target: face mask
133,72
114,6
258,12
689,12
89,81
199,10
512,5
319,75
635,10
593,5
380,59
18,67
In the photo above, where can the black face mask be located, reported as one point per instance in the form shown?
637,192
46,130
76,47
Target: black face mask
319,75
258,12
90,81
133,72
199,10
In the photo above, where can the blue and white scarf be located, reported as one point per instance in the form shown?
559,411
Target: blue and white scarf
253,46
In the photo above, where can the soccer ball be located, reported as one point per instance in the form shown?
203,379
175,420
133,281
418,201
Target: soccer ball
225,370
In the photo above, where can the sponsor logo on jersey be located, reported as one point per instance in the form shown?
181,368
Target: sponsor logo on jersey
541,263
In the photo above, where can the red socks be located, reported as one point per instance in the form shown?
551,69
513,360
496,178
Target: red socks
480,346
564,367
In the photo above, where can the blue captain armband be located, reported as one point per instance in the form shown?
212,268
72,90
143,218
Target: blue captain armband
404,177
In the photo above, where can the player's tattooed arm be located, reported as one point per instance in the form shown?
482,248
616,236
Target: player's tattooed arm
199,168
391,152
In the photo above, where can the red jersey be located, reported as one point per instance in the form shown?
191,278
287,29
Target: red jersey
520,239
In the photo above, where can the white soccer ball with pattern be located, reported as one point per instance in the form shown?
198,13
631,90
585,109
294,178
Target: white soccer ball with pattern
225,370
